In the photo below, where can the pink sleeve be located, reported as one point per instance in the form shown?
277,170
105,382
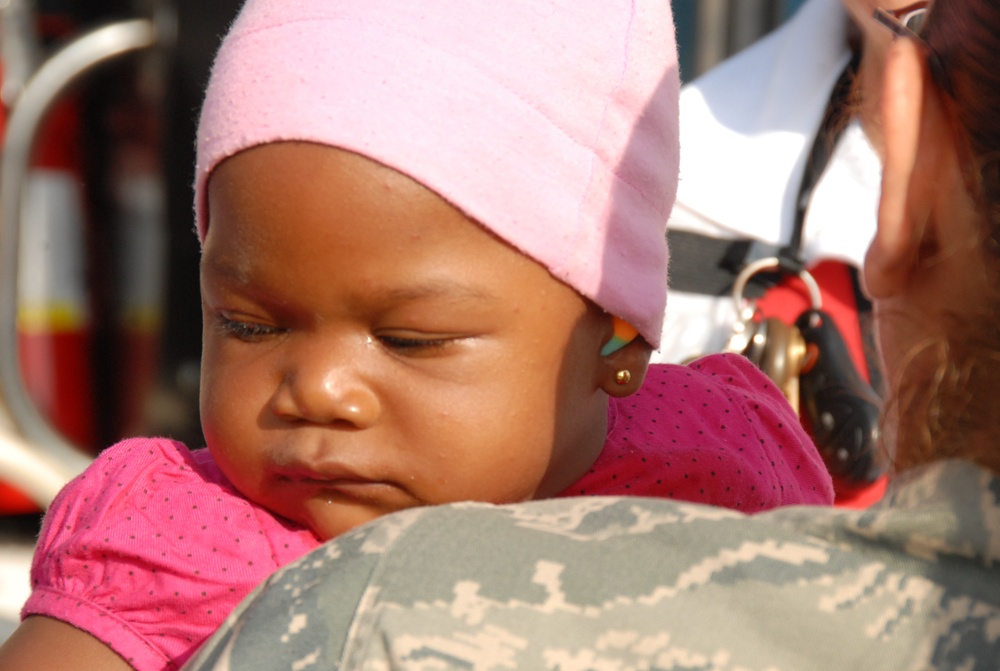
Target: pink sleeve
149,550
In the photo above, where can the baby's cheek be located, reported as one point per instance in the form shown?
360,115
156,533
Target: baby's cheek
213,420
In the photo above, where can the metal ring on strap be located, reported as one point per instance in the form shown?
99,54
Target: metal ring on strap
770,263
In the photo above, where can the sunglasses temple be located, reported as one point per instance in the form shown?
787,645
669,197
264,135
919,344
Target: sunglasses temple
899,29
893,24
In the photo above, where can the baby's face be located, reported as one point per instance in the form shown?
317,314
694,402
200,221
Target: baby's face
368,348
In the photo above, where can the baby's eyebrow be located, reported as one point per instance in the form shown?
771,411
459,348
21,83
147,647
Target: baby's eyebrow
427,289
225,269
439,289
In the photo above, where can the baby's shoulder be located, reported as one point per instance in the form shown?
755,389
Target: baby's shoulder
149,477
150,547
733,376
142,464
723,406
145,491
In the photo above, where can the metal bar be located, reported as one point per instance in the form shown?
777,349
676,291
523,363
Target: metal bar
19,46
39,455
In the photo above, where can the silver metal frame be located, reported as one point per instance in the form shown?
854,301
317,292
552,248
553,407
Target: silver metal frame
33,455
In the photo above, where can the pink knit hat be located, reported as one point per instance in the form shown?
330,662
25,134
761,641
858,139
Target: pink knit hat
553,123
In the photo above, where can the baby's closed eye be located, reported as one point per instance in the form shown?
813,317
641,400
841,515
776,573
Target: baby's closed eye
416,343
246,330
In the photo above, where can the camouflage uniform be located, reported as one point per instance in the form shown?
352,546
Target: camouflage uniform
630,583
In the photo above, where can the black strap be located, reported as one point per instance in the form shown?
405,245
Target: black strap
867,328
704,265
834,122
700,264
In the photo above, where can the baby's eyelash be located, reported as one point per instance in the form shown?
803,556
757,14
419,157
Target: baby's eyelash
244,330
412,344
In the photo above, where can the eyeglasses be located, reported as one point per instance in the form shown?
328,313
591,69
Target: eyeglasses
910,17
909,22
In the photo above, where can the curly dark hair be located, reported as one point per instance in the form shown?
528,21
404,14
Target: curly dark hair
951,404
965,36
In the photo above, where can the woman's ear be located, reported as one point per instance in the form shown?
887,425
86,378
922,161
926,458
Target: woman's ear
893,251
920,168
623,370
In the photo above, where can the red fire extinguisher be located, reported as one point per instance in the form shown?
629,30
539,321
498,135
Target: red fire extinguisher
54,312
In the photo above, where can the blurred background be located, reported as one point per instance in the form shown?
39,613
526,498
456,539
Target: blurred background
98,259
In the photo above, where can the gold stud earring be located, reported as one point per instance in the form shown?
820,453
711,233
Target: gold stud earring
623,376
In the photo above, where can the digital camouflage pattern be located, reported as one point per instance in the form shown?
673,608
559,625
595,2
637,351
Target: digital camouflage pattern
625,583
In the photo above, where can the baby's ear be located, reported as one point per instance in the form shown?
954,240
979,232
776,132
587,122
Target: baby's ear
623,370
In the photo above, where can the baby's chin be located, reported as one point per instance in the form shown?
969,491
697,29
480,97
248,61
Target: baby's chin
338,512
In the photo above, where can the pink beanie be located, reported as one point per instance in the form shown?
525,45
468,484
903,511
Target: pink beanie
552,123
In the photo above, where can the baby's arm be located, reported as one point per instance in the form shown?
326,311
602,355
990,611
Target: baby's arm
45,643
148,551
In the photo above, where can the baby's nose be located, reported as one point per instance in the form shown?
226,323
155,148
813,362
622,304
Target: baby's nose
324,386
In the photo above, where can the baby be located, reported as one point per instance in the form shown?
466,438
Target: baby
433,270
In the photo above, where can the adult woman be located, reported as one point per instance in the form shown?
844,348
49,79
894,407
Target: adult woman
633,583
780,158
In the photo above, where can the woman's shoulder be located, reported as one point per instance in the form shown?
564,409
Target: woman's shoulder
862,595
